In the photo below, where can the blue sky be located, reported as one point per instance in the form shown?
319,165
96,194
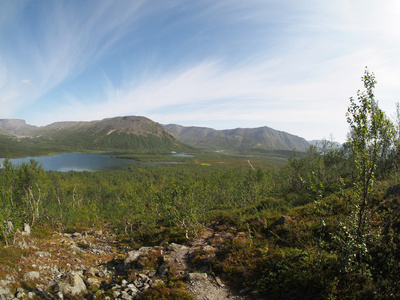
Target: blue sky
288,64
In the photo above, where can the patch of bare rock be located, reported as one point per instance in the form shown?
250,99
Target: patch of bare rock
91,265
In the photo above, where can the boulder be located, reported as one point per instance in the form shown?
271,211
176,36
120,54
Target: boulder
72,284
134,255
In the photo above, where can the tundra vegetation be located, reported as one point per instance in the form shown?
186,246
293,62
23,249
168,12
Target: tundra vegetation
324,225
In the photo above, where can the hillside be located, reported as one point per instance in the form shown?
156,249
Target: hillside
240,139
127,134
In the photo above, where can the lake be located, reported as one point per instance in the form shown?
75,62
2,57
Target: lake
85,162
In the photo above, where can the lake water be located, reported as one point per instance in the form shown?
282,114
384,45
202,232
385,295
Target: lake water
84,162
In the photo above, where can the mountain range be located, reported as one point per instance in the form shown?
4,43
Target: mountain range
239,139
136,134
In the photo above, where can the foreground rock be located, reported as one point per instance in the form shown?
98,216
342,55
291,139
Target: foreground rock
90,265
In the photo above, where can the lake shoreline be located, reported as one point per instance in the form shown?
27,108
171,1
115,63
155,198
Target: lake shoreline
94,161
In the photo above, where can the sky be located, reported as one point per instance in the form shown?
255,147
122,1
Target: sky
287,64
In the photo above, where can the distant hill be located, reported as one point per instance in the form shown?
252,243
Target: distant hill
239,139
321,142
16,126
125,134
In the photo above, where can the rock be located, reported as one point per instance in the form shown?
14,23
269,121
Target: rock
116,294
75,248
27,229
124,282
209,248
42,253
91,272
219,282
20,295
93,282
72,284
196,277
126,296
134,255
30,276
132,288
76,235
176,247
5,293
144,278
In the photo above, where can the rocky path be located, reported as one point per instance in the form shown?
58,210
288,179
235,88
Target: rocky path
93,265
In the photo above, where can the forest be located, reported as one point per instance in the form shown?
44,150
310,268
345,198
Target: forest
323,225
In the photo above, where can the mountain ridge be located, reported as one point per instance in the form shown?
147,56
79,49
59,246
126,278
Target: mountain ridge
240,139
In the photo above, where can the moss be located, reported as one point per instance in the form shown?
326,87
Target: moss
172,291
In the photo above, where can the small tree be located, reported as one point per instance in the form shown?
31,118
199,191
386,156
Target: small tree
371,132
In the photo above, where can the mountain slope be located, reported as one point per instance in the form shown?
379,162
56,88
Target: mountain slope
240,139
125,134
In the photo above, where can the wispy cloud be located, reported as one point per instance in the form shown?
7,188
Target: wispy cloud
253,61
66,38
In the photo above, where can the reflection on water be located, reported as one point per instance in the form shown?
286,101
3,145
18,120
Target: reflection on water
84,162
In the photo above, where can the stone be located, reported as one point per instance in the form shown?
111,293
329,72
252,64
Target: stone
126,296
124,282
131,287
91,272
196,276
176,247
116,294
134,255
27,229
93,282
219,282
76,235
151,273
209,248
30,276
72,285
5,293
42,253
